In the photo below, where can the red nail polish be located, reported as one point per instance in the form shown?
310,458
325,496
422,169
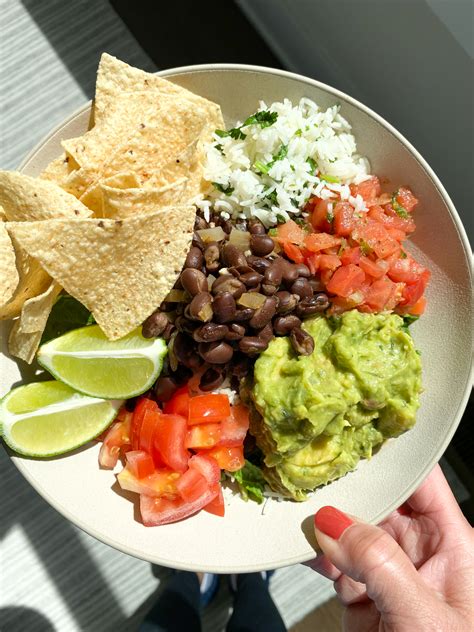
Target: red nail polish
332,522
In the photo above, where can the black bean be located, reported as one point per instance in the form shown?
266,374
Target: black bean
215,352
259,264
266,333
243,314
256,228
232,256
211,379
154,325
165,387
210,332
193,281
268,289
302,288
274,273
212,256
167,307
251,279
194,258
185,352
182,374
282,325
166,335
200,223
224,307
228,283
200,308
290,272
184,324
316,284
314,305
286,302
236,332
264,314
225,224
240,366
302,341
197,242
303,270
252,345
261,245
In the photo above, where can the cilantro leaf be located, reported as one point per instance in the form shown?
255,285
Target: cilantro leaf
265,118
220,187
327,178
251,482
235,132
282,152
409,319
261,167
312,163
67,314
272,197
365,248
398,208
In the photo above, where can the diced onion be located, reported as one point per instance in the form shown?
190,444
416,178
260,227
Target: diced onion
357,297
252,299
240,239
211,234
176,296
210,280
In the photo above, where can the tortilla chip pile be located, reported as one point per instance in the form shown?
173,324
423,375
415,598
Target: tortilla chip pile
111,220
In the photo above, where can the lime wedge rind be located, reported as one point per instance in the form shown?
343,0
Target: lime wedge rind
74,437
107,372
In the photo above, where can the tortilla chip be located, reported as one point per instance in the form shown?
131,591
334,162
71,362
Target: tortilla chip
9,276
23,199
59,169
25,335
114,77
28,199
121,270
120,203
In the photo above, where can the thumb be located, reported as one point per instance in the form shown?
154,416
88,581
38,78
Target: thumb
369,555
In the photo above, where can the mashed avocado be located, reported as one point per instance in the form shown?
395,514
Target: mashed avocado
320,414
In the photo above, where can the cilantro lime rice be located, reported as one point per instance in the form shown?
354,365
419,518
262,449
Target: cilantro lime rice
270,165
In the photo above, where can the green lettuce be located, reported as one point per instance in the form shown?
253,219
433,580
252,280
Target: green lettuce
67,314
251,482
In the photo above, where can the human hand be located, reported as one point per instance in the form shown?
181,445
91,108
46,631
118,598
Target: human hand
415,571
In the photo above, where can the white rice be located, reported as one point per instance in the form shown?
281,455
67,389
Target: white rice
304,132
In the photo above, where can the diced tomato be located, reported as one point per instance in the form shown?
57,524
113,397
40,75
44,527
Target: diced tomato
368,189
141,407
207,466
396,233
405,270
148,430
351,255
191,485
418,308
169,441
235,427
346,280
158,511
290,232
116,439
406,199
140,463
389,218
329,262
228,458
375,269
313,263
161,483
320,241
380,293
293,252
378,239
344,220
202,436
208,408
179,403
414,291
216,506
319,215
340,304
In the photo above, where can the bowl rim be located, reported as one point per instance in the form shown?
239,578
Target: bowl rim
223,67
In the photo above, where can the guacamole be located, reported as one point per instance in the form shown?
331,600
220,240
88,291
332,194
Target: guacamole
318,415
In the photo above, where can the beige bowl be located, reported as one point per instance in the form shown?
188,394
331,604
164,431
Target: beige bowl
252,537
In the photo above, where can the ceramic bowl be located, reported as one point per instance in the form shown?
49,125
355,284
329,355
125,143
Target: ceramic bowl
253,537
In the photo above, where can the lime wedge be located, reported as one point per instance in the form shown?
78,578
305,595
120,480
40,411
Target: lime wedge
112,369
50,418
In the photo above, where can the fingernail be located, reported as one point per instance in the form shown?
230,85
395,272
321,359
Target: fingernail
332,522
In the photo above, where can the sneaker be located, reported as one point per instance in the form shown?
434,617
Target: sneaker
208,588
233,580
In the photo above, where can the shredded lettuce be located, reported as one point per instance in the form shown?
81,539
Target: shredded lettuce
251,482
